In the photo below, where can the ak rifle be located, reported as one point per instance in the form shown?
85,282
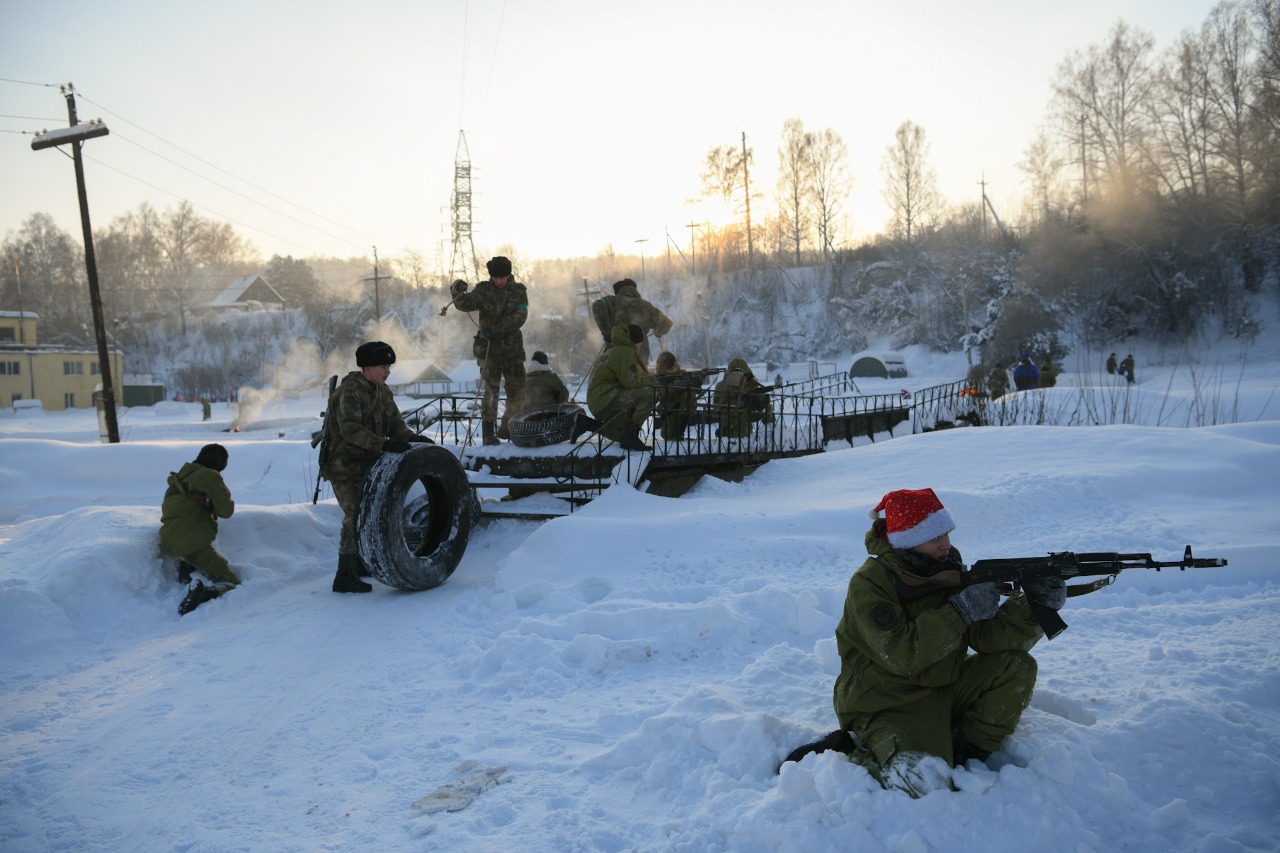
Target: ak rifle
322,438
689,378
1012,573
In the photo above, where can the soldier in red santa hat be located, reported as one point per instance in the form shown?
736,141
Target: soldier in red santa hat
911,698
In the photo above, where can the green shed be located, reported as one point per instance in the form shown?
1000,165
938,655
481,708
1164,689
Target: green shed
885,365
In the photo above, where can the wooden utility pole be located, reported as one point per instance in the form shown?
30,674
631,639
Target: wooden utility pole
1084,164
377,293
983,183
746,185
693,248
74,136
642,241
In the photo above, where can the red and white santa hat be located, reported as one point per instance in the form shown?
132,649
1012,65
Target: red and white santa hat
913,517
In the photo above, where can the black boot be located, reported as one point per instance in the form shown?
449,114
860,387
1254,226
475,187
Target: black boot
631,439
503,433
839,740
487,432
184,571
962,751
197,593
363,571
348,577
583,423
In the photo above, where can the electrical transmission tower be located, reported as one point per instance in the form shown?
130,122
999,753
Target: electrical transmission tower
462,263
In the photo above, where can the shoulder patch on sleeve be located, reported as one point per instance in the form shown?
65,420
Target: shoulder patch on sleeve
884,617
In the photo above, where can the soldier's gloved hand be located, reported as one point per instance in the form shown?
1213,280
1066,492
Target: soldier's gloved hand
421,439
1050,592
458,286
978,602
486,334
394,445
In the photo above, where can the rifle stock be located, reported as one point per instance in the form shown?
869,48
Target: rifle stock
1012,573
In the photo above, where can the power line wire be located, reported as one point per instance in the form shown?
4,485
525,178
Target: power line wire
30,83
215,183
201,206
232,175
233,191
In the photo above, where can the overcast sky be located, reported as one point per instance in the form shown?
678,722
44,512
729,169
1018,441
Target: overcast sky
328,128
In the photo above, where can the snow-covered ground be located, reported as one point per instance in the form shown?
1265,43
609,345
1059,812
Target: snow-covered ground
638,668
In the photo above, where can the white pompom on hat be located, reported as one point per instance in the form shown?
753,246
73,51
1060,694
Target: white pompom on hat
913,517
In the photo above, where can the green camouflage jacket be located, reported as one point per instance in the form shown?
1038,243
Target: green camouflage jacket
503,311
189,522
360,415
616,371
627,307
542,387
893,653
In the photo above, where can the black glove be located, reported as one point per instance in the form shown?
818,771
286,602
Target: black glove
978,602
394,445
486,334
421,439
459,286
1050,592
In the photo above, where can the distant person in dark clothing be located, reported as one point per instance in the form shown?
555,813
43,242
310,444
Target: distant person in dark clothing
1026,376
1111,364
1048,373
998,382
1126,367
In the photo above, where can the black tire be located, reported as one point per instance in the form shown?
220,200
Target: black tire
416,512
544,425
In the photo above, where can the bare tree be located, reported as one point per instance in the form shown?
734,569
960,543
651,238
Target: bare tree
829,170
129,263
179,238
1042,165
1267,102
1180,120
1230,52
43,272
724,178
911,187
795,186
1101,94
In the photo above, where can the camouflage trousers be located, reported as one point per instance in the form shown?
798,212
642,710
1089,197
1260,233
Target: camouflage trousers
639,402
347,493
492,375
982,708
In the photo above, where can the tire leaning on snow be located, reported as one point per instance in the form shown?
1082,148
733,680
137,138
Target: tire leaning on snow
415,542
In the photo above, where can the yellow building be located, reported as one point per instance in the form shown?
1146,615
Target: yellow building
59,377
